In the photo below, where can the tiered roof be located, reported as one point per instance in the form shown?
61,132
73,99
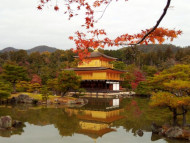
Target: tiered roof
96,54
93,69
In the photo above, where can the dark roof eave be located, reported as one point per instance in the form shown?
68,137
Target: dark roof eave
93,68
98,54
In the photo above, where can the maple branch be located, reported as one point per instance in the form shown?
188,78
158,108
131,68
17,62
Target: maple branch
146,35
157,24
104,11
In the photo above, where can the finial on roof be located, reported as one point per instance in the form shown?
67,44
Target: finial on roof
96,50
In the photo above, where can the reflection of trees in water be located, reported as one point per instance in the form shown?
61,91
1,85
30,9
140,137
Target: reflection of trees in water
9,133
15,116
139,115
137,112
66,124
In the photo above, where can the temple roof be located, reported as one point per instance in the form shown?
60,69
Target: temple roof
96,53
93,69
87,68
95,134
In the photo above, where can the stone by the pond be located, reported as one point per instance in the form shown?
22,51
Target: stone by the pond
24,98
79,101
5,122
174,132
71,102
140,132
156,129
16,123
171,131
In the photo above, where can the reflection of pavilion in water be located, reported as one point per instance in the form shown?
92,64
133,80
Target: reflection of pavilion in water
96,123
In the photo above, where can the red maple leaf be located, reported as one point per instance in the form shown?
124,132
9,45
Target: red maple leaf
39,7
56,8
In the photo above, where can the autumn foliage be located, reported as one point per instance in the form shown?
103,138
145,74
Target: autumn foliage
36,79
134,108
68,80
138,78
94,38
132,78
83,43
172,90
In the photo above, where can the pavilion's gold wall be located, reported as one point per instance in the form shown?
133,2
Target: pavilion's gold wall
96,114
99,75
95,63
93,126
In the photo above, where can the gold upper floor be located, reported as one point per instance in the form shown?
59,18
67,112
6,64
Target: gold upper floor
95,63
100,75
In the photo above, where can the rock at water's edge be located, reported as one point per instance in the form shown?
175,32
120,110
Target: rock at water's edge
5,122
155,128
174,132
171,131
140,132
16,123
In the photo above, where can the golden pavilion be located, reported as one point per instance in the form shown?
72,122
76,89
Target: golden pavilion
98,75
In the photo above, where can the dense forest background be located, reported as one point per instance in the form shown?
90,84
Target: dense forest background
46,62
160,72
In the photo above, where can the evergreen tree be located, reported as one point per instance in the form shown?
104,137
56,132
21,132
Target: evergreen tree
68,80
5,89
179,55
45,93
13,74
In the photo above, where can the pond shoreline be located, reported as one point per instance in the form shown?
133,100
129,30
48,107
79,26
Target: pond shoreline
136,112
175,132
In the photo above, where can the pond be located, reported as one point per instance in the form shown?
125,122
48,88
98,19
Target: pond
87,124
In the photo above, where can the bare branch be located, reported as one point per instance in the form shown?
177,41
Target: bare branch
104,11
158,22
148,33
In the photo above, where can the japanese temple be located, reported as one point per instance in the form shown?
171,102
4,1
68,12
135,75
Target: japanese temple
98,75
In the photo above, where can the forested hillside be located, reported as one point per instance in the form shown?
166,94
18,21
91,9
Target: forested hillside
160,56
42,66
47,63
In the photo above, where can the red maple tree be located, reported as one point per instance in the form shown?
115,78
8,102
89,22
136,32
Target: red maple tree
92,38
138,78
36,79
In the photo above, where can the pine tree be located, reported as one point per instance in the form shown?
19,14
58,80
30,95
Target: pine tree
13,74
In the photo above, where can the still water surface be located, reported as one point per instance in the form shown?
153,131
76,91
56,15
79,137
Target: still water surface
87,124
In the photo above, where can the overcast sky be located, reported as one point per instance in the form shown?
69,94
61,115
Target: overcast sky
22,26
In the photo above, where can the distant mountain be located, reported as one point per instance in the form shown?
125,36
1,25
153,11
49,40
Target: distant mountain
144,48
154,47
40,49
8,49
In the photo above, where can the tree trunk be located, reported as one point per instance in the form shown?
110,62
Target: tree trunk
46,99
63,93
184,119
14,87
184,116
174,117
